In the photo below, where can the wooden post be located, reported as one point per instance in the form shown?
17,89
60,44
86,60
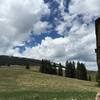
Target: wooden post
97,27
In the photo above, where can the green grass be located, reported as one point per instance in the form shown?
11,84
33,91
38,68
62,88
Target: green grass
33,95
22,84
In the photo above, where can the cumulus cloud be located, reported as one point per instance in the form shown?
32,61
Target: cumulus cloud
40,27
48,49
18,19
87,8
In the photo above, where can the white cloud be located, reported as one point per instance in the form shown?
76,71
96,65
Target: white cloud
40,27
80,22
48,49
17,19
88,7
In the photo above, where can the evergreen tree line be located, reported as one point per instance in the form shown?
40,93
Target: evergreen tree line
69,70
47,67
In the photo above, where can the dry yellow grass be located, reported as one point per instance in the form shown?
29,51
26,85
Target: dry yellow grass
14,79
20,82
43,82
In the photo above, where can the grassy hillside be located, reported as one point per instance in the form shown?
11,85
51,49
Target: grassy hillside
22,84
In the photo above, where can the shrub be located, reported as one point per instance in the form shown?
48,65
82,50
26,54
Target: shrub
27,66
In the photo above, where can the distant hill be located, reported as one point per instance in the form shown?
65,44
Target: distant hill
11,60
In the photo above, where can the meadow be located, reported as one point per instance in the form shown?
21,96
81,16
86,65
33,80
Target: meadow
23,84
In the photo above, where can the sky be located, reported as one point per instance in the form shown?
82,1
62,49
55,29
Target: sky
57,30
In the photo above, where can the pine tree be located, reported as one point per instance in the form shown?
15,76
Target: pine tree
54,69
84,71
67,69
48,67
60,69
78,71
81,72
41,66
67,63
70,69
73,71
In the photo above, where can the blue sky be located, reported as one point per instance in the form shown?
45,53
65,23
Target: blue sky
57,30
